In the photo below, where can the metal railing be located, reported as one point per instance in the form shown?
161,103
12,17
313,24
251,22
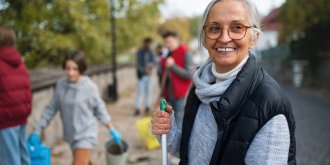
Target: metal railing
47,77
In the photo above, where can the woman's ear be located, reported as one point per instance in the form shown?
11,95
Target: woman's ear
254,39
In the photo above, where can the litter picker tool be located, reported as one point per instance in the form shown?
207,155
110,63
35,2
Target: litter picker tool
164,141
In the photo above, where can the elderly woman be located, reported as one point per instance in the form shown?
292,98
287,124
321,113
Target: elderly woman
235,112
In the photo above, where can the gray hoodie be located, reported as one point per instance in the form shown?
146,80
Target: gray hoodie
79,104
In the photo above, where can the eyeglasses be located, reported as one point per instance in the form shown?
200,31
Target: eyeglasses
235,32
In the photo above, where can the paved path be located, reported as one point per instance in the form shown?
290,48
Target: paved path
312,116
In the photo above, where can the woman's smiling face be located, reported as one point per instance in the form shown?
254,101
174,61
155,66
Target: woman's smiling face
225,52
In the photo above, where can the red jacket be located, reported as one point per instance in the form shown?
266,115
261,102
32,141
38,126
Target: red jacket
179,84
15,89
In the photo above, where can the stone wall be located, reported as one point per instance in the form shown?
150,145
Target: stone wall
43,88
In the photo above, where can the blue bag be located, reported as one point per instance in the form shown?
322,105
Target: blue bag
39,155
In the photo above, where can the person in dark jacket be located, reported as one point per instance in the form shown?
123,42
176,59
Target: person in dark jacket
144,64
15,101
235,112
161,54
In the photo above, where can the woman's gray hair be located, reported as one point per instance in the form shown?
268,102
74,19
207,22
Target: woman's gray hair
254,18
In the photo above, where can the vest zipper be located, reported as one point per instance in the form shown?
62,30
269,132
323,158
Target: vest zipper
223,137
221,125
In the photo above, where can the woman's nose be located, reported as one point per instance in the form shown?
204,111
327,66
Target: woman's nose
224,36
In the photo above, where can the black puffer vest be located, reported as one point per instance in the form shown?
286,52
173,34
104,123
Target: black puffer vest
247,105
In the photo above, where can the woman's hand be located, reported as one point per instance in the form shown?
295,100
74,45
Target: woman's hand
161,121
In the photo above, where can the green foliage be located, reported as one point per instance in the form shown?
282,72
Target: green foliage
195,23
306,25
313,45
47,29
179,25
298,15
187,28
140,19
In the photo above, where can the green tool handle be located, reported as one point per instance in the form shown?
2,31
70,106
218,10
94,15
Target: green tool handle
162,105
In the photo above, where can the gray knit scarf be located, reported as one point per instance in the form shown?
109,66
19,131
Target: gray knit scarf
206,88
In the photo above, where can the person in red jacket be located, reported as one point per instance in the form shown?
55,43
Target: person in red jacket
177,72
15,101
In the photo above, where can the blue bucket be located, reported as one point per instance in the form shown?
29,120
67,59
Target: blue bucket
39,155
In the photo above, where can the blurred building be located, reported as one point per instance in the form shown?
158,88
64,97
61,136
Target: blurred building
199,55
270,27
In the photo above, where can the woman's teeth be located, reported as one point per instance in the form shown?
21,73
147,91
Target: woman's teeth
224,49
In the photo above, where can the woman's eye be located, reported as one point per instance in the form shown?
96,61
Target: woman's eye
237,28
214,29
